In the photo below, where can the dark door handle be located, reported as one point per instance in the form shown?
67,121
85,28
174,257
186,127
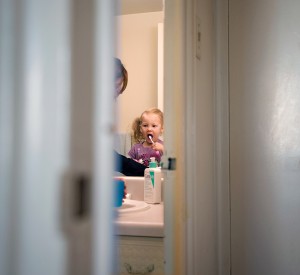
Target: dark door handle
82,186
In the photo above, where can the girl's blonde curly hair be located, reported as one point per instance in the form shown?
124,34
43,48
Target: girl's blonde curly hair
136,125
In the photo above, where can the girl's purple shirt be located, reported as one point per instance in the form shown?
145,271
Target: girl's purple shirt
143,154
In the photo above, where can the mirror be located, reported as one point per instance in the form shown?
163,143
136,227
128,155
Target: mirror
140,47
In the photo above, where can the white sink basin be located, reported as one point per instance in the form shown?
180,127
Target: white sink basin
132,206
137,218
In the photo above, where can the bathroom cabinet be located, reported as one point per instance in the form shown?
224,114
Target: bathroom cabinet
140,255
139,233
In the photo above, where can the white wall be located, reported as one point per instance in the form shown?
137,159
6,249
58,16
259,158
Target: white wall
264,136
138,52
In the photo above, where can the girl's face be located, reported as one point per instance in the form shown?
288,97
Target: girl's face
151,124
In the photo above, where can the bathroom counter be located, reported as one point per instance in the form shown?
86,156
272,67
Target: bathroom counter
147,223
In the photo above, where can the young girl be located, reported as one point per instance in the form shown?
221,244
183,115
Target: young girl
146,132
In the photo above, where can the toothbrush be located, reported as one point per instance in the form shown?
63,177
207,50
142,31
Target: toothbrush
150,137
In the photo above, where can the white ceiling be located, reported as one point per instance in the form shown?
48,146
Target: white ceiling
140,6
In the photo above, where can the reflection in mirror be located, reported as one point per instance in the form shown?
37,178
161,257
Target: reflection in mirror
139,225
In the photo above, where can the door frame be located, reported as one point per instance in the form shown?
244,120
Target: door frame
222,171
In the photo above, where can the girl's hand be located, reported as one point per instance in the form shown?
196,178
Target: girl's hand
158,146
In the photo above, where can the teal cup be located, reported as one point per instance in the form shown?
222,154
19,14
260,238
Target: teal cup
119,192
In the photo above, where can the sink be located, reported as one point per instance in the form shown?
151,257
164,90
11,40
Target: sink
132,206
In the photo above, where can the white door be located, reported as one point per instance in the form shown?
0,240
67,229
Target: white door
50,143
34,135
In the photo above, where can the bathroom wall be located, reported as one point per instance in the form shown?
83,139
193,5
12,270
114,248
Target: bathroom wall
138,50
264,66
